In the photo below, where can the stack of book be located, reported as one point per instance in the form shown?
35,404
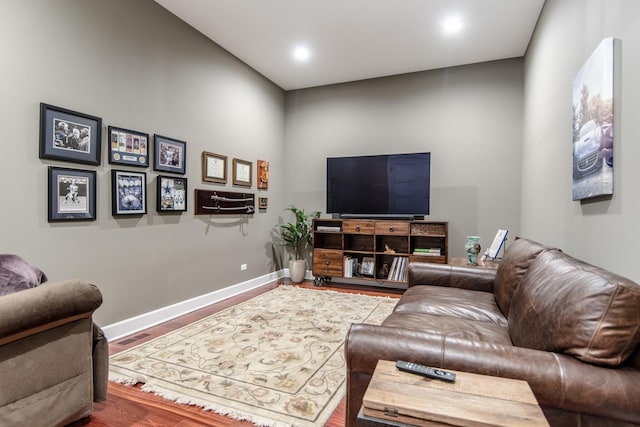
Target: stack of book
427,251
328,228
398,270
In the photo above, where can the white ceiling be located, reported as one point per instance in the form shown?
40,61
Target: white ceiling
359,39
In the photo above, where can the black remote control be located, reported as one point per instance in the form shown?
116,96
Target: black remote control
426,371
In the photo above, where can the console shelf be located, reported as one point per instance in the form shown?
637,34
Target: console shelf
377,250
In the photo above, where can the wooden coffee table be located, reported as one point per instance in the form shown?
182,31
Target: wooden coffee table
395,398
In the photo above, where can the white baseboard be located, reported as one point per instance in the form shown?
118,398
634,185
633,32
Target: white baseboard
146,320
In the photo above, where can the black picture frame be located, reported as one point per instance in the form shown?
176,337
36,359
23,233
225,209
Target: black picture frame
169,155
171,194
128,147
69,135
71,195
128,193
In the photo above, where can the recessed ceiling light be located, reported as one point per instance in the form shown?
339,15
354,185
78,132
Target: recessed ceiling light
301,53
452,24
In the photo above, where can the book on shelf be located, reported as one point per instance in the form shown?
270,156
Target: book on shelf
398,271
427,251
348,266
393,268
330,228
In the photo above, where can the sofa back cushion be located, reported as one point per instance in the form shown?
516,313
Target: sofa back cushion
568,306
512,268
16,274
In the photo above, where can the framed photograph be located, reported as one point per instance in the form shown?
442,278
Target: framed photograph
263,174
169,155
171,194
214,167
70,136
366,268
128,147
72,195
263,202
242,173
129,193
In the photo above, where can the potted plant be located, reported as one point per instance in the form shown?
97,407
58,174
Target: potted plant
297,239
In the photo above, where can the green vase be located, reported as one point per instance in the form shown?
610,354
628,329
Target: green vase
473,249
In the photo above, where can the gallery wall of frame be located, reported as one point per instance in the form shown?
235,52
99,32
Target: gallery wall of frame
214,170
71,136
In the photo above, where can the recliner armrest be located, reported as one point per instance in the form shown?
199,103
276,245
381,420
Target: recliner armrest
51,304
473,278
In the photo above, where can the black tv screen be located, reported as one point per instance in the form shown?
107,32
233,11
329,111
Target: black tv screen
379,185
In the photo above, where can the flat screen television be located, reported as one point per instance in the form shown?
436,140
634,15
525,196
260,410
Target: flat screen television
379,186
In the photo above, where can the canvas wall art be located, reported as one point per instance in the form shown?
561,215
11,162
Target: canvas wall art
593,124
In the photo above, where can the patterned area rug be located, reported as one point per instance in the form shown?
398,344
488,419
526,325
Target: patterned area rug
274,360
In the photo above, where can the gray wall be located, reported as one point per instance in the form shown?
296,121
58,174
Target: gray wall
469,118
138,67
499,133
604,232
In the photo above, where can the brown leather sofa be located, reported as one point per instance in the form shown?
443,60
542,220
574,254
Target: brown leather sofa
53,358
570,329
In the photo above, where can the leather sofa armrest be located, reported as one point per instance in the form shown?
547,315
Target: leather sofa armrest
473,278
49,305
556,380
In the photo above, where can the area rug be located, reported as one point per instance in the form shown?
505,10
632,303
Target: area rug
274,360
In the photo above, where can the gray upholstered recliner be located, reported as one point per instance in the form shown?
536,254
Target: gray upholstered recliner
53,358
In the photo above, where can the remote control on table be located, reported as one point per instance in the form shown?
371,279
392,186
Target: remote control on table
426,371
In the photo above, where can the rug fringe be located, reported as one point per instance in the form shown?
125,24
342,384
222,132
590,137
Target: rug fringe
258,421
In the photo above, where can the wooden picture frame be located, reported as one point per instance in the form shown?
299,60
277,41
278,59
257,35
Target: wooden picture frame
263,202
128,147
128,193
69,135
242,173
214,167
72,195
171,194
169,155
263,175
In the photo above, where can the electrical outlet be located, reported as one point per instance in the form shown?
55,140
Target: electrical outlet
243,267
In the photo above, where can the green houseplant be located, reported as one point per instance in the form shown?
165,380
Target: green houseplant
297,237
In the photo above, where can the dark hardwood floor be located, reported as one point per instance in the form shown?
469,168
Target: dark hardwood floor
129,406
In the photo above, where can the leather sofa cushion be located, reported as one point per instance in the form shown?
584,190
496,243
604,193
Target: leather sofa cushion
512,269
453,327
16,274
452,302
568,306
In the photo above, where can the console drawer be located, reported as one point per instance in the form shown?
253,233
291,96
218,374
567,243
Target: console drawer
392,227
327,262
355,226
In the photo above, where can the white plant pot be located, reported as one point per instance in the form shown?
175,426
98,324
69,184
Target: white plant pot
297,270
